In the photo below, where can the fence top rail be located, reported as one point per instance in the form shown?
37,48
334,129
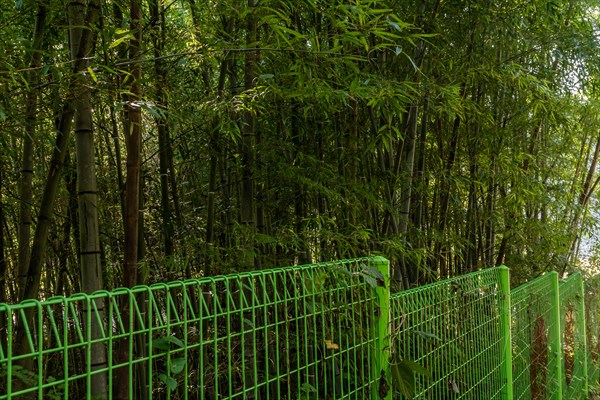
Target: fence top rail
572,278
468,276
571,286
535,281
55,300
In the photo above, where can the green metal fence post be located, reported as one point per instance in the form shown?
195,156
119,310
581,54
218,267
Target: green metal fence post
381,360
555,339
506,332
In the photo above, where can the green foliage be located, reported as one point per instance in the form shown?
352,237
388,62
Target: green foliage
491,167
175,365
403,376
30,379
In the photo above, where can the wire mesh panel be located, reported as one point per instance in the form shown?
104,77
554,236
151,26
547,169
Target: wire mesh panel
537,363
573,336
293,333
449,339
592,317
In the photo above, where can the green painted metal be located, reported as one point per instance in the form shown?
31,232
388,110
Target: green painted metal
537,361
323,331
293,333
592,318
448,338
506,332
382,389
555,342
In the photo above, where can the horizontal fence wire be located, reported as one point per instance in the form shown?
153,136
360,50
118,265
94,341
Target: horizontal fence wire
537,364
292,333
574,350
308,332
448,340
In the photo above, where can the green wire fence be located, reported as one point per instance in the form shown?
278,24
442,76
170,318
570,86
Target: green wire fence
295,333
592,319
450,339
574,340
324,331
537,362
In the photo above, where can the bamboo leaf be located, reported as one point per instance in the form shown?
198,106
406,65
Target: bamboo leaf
177,365
92,74
169,381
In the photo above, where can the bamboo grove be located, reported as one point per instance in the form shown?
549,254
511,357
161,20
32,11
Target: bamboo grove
156,140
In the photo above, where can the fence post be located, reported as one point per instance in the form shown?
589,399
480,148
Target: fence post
556,341
505,313
381,360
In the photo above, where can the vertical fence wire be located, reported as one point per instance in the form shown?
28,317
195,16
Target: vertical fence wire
448,341
323,331
574,349
592,318
301,332
536,339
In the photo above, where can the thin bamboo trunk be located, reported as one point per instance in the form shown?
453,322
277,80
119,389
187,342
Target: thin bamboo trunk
89,231
3,263
31,287
589,186
321,203
70,176
228,175
114,97
248,193
215,153
65,249
3,260
141,344
420,207
25,183
157,32
403,273
304,255
133,131
470,233
442,250
248,147
133,144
